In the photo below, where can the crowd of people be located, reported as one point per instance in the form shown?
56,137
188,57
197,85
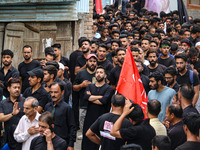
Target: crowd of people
44,104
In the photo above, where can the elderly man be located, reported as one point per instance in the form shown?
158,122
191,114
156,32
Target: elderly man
27,129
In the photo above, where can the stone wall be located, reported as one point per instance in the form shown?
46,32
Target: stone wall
192,12
83,27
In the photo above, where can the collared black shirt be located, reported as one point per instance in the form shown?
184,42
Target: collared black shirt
64,121
66,89
39,142
40,94
6,107
177,135
12,72
66,94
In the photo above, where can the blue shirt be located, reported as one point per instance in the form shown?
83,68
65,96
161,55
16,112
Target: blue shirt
164,97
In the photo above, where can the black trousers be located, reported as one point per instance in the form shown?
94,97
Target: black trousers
75,107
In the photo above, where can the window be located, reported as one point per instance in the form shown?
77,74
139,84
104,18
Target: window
193,4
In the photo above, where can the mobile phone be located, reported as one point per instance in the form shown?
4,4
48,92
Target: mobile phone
51,128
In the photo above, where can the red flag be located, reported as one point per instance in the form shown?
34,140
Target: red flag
99,7
130,84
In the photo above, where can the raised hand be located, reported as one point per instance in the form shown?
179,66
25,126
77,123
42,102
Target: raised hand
16,110
127,107
47,133
85,83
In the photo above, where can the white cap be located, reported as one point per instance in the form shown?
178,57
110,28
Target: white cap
61,66
197,44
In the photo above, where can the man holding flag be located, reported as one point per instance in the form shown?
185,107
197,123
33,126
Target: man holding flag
130,84
115,72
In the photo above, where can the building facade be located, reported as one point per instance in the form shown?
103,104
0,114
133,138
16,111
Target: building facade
41,23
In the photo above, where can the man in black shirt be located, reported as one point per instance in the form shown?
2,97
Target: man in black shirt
11,110
186,94
152,56
50,57
161,142
194,38
194,61
105,39
60,74
81,65
73,59
36,90
8,71
145,45
83,79
141,132
115,72
144,78
64,117
176,133
102,61
165,59
50,76
47,140
115,44
186,76
99,131
72,63
191,128
27,65
170,78
124,40
81,60
61,59
98,96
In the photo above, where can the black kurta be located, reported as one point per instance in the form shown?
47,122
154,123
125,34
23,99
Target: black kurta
94,111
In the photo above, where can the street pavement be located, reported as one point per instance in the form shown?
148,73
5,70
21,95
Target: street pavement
77,144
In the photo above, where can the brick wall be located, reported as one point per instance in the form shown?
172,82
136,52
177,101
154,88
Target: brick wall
192,12
88,32
83,27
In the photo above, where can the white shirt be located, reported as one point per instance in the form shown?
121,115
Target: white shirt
21,134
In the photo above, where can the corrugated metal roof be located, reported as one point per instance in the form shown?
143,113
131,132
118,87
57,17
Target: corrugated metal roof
83,6
62,10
